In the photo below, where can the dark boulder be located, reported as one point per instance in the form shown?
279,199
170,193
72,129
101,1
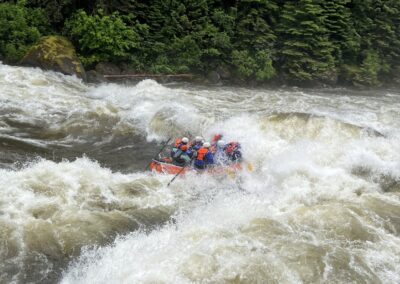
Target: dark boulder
54,53
213,77
94,77
107,68
224,72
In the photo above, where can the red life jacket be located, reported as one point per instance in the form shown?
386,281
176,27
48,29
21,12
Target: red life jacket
201,153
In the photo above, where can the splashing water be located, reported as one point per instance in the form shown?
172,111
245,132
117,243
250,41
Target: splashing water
321,205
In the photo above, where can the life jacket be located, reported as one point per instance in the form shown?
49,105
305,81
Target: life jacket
179,145
201,153
183,147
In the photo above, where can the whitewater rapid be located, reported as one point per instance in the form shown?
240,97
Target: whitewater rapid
321,204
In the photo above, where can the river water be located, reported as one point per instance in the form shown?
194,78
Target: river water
321,204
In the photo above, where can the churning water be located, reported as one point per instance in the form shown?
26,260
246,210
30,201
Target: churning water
321,205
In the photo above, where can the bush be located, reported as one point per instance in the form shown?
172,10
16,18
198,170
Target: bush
20,27
368,73
100,37
248,66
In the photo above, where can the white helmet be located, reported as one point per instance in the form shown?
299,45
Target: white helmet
185,140
206,145
198,139
221,143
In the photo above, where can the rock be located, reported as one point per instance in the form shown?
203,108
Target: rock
94,77
54,53
214,77
224,72
127,69
330,78
107,68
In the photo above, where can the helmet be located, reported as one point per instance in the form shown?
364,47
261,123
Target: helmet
198,139
207,145
185,140
221,143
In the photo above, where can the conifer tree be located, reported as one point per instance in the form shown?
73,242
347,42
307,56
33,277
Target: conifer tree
252,56
378,24
341,31
305,50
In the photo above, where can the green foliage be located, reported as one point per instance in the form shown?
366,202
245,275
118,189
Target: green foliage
368,73
305,53
258,66
58,11
101,37
340,29
378,23
251,57
20,27
243,62
301,41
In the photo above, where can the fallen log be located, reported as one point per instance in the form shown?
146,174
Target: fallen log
147,75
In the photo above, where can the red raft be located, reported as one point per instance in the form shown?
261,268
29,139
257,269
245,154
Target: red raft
168,168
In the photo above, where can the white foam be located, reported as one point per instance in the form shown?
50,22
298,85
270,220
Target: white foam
302,214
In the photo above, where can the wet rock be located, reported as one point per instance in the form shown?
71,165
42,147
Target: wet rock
107,68
55,53
127,68
213,77
224,72
330,78
94,77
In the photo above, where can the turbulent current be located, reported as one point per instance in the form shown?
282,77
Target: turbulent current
321,203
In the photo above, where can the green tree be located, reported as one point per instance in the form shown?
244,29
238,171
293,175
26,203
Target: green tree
20,27
305,50
340,29
378,23
253,50
101,37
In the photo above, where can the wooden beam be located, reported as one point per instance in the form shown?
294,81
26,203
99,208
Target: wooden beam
147,75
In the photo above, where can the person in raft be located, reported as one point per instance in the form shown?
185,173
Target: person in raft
197,143
220,156
204,157
180,152
232,150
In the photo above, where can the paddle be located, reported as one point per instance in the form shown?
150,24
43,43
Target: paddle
188,164
162,149
176,176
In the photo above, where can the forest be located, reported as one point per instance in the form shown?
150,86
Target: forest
345,42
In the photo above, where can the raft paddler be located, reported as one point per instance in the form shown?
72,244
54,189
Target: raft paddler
180,152
220,156
232,150
204,157
197,143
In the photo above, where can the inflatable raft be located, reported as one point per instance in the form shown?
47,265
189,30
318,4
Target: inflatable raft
169,168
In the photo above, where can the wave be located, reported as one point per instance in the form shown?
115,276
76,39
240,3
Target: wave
51,210
321,204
